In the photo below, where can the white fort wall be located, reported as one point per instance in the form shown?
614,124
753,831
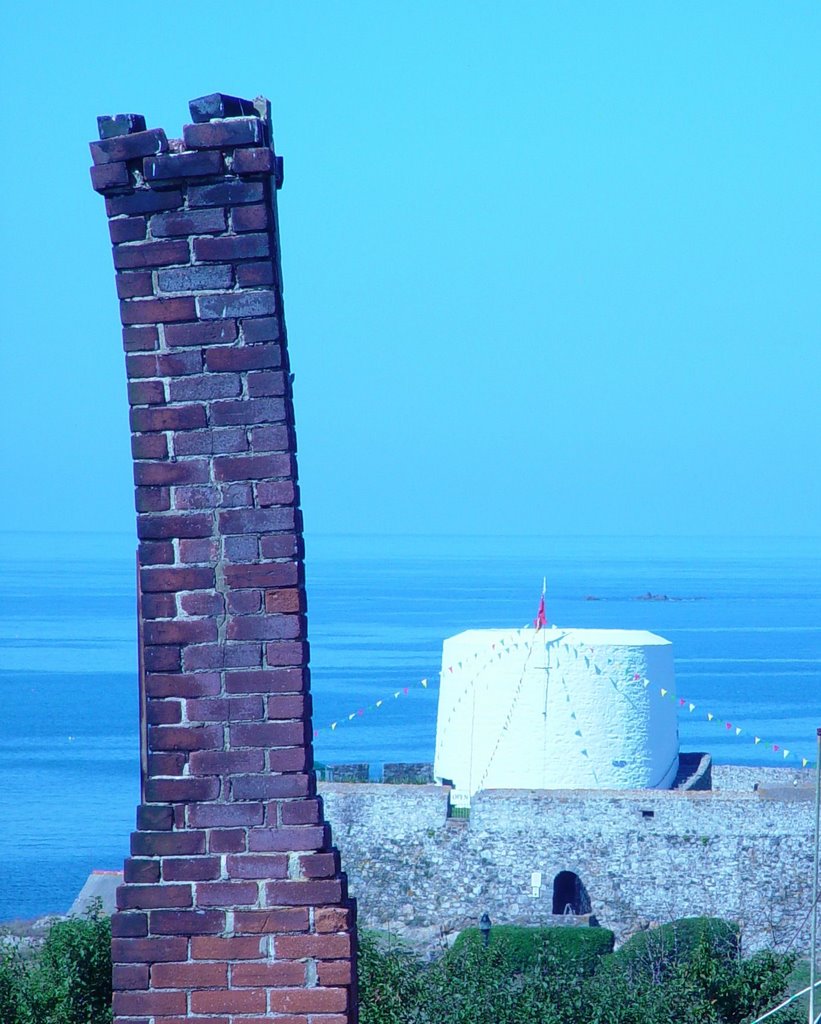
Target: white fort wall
557,709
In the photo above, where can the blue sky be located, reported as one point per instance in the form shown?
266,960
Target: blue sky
550,267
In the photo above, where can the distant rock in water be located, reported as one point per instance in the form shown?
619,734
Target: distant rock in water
591,597
656,597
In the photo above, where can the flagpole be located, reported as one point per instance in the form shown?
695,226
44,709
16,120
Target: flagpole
814,932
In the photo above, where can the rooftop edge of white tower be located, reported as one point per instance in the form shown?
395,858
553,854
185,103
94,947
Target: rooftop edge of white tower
557,709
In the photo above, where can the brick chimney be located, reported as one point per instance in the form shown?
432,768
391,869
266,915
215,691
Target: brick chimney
234,909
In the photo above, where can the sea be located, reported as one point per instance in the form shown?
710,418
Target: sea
744,616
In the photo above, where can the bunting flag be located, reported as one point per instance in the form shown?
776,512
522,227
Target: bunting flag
517,640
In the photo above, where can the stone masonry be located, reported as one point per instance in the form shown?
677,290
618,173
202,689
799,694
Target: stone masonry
234,908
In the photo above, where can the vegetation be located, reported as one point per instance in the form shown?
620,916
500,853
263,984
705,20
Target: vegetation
66,981
688,972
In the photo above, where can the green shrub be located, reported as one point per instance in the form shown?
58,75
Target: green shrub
652,954
66,981
522,948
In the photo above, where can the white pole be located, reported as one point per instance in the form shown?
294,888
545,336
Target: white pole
814,932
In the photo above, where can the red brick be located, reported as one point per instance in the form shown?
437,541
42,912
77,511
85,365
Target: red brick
289,599
181,165
190,869
332,919
163,712
186,417
179,364
227,840
281,708
308,1000
267,734
146,392
219,762
180,632
238,358
149,446
185,790
286,652
187,222
252,275
286,545
130,1004
261,329
128,949
143,201
209,442
250,467
225,194
266,627
294,893
150,254
186,922
185,737
156,552
112,175
225,709
127,229
129,147
288,759
133,285
151,817
157,311
263,384
302,812
151,499
161,474
246,411
233,131
195,551
244,602
279,680
259,521
227,894
250,218
140,870
169,526
336,972
254,161
159,580
320,865
140,339
148,897
187,976
273,865
161,844
158,606
247,302
264,575
224,815
193,497
222,949
205,387
166,764
268,922
285,840
321,947
264,975
227,248
161,659
131,976
252,787
199,684
217,332
229,1001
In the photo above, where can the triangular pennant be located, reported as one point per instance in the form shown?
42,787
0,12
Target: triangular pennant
352,716
333,725
709,716
776,746
786,752
681,702
585,753
425,683
578,732
728,725
737,731
405,690
636,677
804,762
397,694
378,704
758,739
663,692
316,733
692,707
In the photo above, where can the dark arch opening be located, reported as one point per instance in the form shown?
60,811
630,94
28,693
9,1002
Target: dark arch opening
569,894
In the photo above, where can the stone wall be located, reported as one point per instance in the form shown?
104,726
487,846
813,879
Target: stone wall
644,856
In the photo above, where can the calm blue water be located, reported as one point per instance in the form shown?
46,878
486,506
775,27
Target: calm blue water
747,637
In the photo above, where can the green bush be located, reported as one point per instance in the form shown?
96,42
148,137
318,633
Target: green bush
652,954
522,948
66,981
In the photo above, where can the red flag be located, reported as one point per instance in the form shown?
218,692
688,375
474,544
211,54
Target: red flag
541,618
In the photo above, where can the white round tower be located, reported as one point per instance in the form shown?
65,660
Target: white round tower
557,709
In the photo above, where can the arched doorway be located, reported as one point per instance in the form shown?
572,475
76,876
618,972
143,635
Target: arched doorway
569,894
